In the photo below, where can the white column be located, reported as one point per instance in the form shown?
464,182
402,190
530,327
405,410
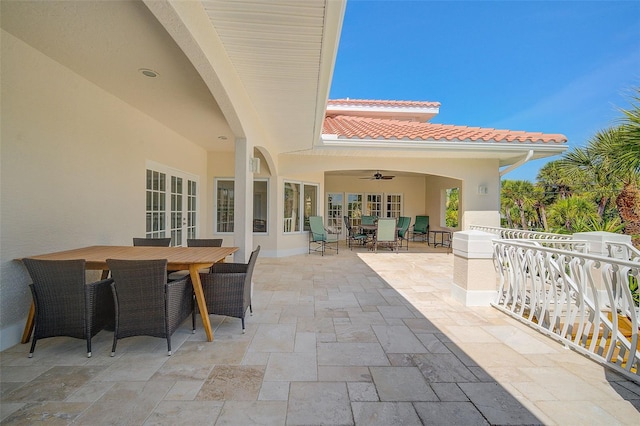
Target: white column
597,245
597,241
243,204
474,275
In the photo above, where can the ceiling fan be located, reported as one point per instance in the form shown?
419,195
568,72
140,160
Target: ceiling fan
378,176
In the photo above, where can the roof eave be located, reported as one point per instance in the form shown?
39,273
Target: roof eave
506,152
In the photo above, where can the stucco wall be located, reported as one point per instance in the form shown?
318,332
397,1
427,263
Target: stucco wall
72,169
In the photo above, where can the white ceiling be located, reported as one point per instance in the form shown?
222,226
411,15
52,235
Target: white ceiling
276,48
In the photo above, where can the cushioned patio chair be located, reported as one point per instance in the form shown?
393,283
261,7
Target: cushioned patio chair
386,234
65,305
421,228
152,242
352,235
227,288
368,220
403,230
319,237
145,303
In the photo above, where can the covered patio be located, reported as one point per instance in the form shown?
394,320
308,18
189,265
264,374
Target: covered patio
352,338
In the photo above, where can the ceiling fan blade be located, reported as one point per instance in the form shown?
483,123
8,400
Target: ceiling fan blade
387,177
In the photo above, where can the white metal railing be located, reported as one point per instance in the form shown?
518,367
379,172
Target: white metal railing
583,300
506,233
623,251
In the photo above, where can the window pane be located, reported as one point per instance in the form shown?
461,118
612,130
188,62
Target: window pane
224,208
260,200
310,204
334,210
291,207
354,208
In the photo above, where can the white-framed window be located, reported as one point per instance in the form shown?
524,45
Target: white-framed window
291,219
335,209
393,205
171,204
374,205
299,197
225,197
365,204
354,208
260,206
224,205
156,210
310,204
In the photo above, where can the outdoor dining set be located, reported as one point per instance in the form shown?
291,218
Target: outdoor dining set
148,289
374,232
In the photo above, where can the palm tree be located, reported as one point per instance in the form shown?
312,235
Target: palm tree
540,198
555,182
593,170
565,215
624,147
518,193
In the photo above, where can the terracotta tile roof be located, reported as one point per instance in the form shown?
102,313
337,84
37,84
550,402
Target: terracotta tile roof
353,127
382,103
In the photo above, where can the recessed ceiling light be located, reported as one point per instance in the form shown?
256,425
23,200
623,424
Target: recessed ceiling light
148,73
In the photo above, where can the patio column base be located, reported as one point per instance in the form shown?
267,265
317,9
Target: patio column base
474,275
473,297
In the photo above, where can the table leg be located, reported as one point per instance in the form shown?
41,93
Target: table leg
202,304
28,327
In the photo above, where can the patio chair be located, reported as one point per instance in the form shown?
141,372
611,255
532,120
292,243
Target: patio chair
145,303
197,242
65,305
152,242
386,234
227,288
368,220
403,230
204,242
352,235
319,237
421,228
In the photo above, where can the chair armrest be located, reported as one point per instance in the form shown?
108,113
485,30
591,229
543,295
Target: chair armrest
179,284
219,279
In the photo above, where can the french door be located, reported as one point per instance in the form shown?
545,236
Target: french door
335,210
171,204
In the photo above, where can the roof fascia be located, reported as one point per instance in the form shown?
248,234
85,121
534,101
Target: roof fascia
464,145
423,114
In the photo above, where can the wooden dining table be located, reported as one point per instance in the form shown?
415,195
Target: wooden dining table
178,259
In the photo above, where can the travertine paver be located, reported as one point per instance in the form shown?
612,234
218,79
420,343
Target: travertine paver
319,403
357,338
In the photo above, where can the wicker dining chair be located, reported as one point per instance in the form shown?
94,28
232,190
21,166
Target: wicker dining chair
65,305
227,288
204,242
145,303
152,242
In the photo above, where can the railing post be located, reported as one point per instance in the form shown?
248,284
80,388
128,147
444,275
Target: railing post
597,245
598,241
474,275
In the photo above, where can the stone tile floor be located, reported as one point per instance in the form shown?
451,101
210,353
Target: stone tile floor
355,338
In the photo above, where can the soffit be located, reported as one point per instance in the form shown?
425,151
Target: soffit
107,42
275,47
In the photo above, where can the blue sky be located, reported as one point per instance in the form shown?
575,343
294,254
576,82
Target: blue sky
547,66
